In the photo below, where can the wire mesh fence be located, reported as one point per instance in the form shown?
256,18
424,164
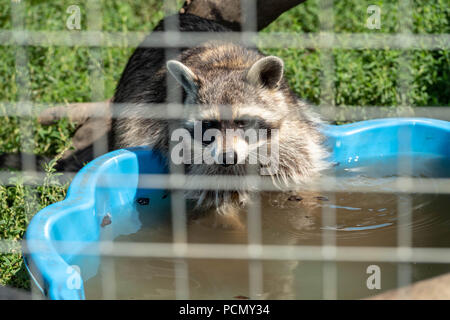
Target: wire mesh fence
255,251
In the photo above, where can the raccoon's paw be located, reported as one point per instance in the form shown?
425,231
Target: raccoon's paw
228,217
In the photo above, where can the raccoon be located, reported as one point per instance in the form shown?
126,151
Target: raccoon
237,89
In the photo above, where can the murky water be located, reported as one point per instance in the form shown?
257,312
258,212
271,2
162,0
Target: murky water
362,219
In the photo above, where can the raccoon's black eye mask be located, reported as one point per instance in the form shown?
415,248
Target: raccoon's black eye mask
241,124
206,125
237,124
210,124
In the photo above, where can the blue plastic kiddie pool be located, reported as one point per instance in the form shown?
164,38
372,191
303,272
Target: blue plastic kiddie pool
58,234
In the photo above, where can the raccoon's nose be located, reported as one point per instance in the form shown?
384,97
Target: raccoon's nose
229,158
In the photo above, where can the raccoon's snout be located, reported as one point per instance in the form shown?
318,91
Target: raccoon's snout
229,158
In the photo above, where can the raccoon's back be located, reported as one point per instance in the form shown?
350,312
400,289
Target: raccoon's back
143,79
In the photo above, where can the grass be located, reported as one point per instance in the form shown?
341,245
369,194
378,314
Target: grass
59,74
369,77
19,201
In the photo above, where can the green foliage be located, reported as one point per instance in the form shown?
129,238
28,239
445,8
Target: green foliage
19,201
368,77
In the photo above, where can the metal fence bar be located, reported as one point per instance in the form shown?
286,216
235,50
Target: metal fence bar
178,111
325,184
404,201
170,39
179,215
327,94
100,145
18,18
242,251
96,79
249,25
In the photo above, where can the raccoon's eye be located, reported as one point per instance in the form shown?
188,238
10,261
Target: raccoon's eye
210,124
264,125
242,123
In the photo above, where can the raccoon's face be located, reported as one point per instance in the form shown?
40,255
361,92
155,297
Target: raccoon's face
240,112
230,145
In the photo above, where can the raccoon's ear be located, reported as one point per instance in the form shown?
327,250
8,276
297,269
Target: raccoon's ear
183,75
266,72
